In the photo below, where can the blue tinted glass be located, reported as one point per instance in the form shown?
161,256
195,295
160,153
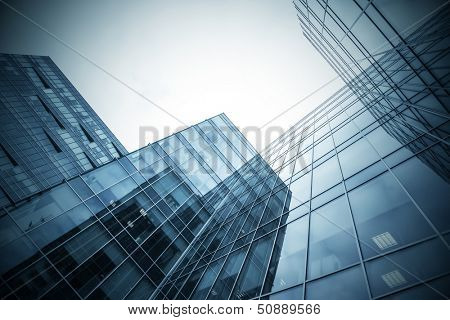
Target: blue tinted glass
86,277
345,285
383,142
356,157
48,205
8,230
323,147
392,222
142,290
326,175
224,283
332,244
69,222
421,292
433,191
344,133
171,254
287,266
80,188
295,293
300,190
208,278
118,192
252,275
16,252
407,267
297,212
77,249
105,176
119,283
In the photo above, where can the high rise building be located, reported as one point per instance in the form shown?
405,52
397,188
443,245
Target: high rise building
48,132
366,214
117,230
353,214
350,203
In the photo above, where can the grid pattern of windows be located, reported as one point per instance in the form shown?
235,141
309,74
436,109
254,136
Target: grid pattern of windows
350,203
367,175
115,232
48,132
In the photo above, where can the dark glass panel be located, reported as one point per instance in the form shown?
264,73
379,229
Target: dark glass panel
332,243
345,285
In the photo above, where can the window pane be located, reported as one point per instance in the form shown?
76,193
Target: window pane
94,270
8,230
323,147
300,191
252,275
408,266
207,280
75,251
18,251
287,266
433,191
344,285
382,141
105,176
326,175
356,157
143,290
62,227
118,284
44,207
295,293
171,254
224,284
332,244
385,217
191,282
80,188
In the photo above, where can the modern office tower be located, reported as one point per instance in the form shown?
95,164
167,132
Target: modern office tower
48,132
116,231
394,49
366,212
362,217
393,53
350,203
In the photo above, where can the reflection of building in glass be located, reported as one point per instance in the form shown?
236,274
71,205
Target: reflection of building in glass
48,132
394,56
350,203
367,173
116,231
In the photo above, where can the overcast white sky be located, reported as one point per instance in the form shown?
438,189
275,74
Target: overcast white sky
195,58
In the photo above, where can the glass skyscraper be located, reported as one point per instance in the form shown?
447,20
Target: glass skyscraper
48,132
366,211
350,203
116,231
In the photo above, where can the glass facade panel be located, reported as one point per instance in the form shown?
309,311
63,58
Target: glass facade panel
332,242
406,267
287,266
349,203
384,225
431,193
344,285
225,281
356,157
251,278
325,176
49,132
295,293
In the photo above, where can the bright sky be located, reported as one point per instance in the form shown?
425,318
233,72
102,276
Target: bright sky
196,59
